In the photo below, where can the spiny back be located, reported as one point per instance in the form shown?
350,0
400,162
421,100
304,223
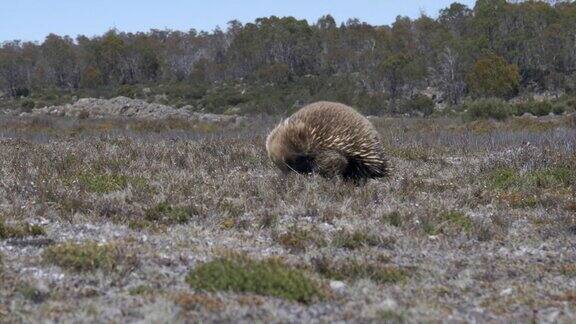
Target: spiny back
328,136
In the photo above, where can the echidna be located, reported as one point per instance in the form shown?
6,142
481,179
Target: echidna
330,139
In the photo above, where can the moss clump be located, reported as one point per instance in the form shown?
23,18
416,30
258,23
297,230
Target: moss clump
168,214
394,218
359,238
552,177
141,290
449,222
105,183
353,269
530,188
163,214
85,256
268,277
488,108
457,220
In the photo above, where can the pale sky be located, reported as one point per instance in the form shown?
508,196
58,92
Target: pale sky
32,20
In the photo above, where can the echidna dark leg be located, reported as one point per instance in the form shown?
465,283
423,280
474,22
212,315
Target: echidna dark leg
355,171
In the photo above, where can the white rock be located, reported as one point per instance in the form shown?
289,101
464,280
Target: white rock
337,285
388,304
506,292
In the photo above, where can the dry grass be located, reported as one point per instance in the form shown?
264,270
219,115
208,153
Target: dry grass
476,221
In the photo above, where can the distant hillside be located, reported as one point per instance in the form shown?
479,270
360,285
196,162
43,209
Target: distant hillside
496,49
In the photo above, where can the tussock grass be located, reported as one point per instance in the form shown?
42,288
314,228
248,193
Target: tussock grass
394,218
360,238
90,256
448,222
31,292
297,239
354,269
20,230
198,302
269,277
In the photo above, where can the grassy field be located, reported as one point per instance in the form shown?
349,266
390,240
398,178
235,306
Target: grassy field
163,221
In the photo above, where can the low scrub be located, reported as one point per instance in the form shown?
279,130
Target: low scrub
19,230
419,104
168,214
298,239
360,238
488,108
353,269
90,256
540,108
448,222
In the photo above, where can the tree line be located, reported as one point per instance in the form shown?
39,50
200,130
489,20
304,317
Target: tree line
495,49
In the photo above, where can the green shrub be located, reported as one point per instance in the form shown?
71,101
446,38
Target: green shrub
536,108
27,105
558,108
570,103
268,277
488,108
418,103
492,76
185,91
127,90
276,73
220,98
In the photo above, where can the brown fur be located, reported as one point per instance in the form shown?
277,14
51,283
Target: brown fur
330,139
